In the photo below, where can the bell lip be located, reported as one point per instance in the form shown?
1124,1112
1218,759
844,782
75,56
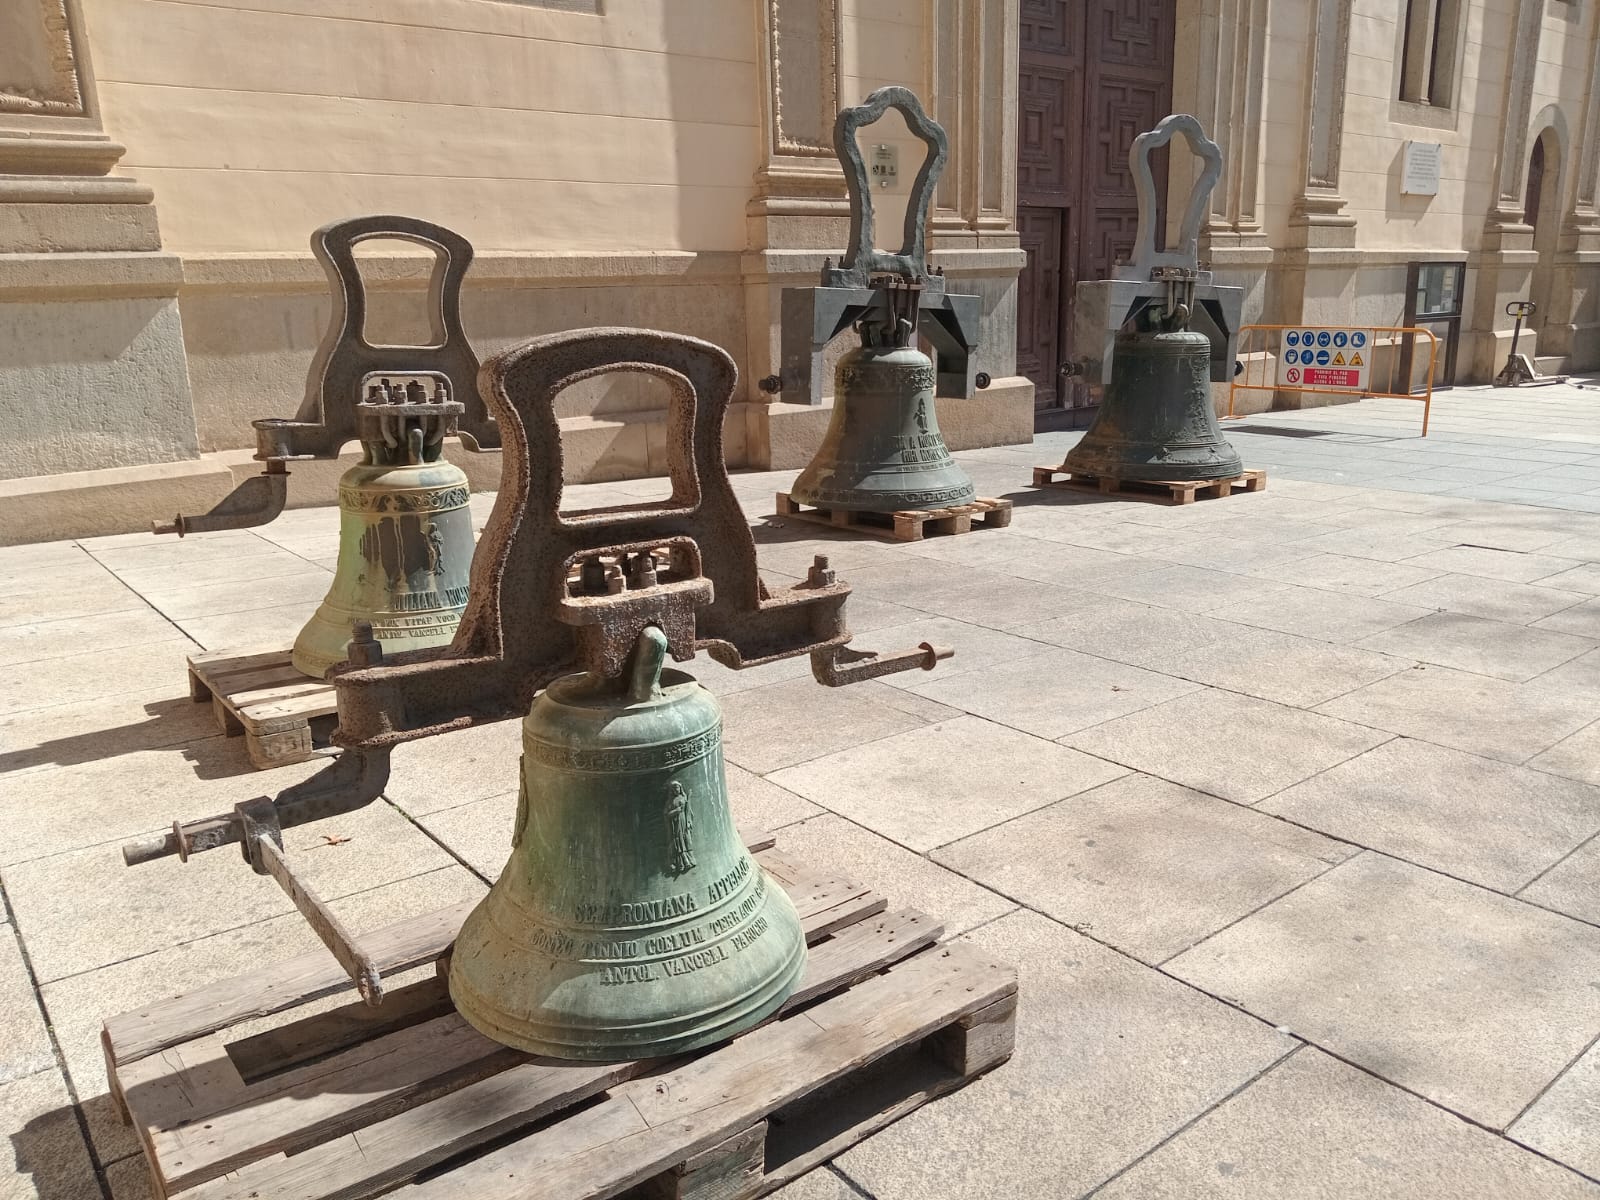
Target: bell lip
736,1022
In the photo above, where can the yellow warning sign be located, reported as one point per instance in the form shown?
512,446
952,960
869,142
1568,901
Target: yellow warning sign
1355,359
1338,358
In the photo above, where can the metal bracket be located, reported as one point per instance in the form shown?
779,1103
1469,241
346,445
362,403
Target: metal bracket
1146,258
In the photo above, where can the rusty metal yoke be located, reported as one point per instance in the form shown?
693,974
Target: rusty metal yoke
345,362
813,317
1160,288
555,591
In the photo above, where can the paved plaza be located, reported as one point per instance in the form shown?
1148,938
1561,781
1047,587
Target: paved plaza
1284,805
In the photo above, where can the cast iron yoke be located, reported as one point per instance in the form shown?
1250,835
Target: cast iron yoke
811,317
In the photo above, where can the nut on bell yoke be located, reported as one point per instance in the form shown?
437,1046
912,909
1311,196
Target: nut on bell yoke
555,592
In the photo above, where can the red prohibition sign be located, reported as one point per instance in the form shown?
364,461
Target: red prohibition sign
1294,375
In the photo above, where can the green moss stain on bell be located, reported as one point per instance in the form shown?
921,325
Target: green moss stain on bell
629,921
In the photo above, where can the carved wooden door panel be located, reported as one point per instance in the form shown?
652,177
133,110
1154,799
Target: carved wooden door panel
1094,75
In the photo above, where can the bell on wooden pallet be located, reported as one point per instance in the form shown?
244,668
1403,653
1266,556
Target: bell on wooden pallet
883,451
1156,422
1157,334
405,532
630,921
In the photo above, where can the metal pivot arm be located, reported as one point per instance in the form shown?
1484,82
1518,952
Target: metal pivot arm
256,501
344,785
345,362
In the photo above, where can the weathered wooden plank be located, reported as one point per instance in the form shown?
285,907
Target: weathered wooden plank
310,976
694,1107
393,1150
254,656
730,1170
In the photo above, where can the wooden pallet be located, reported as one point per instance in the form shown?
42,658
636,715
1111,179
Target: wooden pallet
1177,492
359,1102
283,715
911,525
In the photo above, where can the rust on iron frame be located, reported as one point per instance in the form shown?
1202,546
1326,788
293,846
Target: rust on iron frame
528,622
345,361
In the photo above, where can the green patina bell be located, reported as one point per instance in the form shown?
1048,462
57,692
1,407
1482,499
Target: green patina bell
883,451
1156,422
630,921
405,535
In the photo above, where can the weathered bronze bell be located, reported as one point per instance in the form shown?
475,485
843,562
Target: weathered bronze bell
405,533
883,451
630,921
1156,421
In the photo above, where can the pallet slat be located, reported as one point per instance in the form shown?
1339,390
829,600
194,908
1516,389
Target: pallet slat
1168,492
394,1150
354,1103
259,695
909,525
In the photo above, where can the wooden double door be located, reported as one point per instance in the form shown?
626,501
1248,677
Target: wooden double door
1094,75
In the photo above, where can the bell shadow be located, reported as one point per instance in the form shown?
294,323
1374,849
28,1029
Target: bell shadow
50,1152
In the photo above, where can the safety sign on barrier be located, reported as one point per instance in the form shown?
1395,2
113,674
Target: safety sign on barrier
1330,358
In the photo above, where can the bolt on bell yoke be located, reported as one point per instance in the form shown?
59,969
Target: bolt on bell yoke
883,451
630,920
1156,335
405,531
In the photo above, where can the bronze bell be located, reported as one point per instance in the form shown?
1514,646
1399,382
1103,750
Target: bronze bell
883,451
405,532
1156,422
630,921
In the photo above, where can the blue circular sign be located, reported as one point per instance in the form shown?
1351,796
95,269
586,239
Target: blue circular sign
1293,339
1324,338
1339,339
1309,338
1322,358
1358,339
1291,357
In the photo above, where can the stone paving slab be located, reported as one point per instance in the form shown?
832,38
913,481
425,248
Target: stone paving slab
1519,603
777,726
454,768
934,784
1342,573
154,670
111,800
1475,818
1509,721
1280,667
1144,865
1480,645
47,640
1136,634
1561,1123
1466,997
1322,615
1111,1060
1577,756
906,878
66,735
24,1043
1581,619
1054,692
1509,565
1315,1127
1571,886
212,600
46,1156
1232,746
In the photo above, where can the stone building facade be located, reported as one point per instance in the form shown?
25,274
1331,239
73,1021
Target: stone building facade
668,163
661,163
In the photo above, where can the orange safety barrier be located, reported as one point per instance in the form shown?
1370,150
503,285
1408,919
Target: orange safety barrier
1277,349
